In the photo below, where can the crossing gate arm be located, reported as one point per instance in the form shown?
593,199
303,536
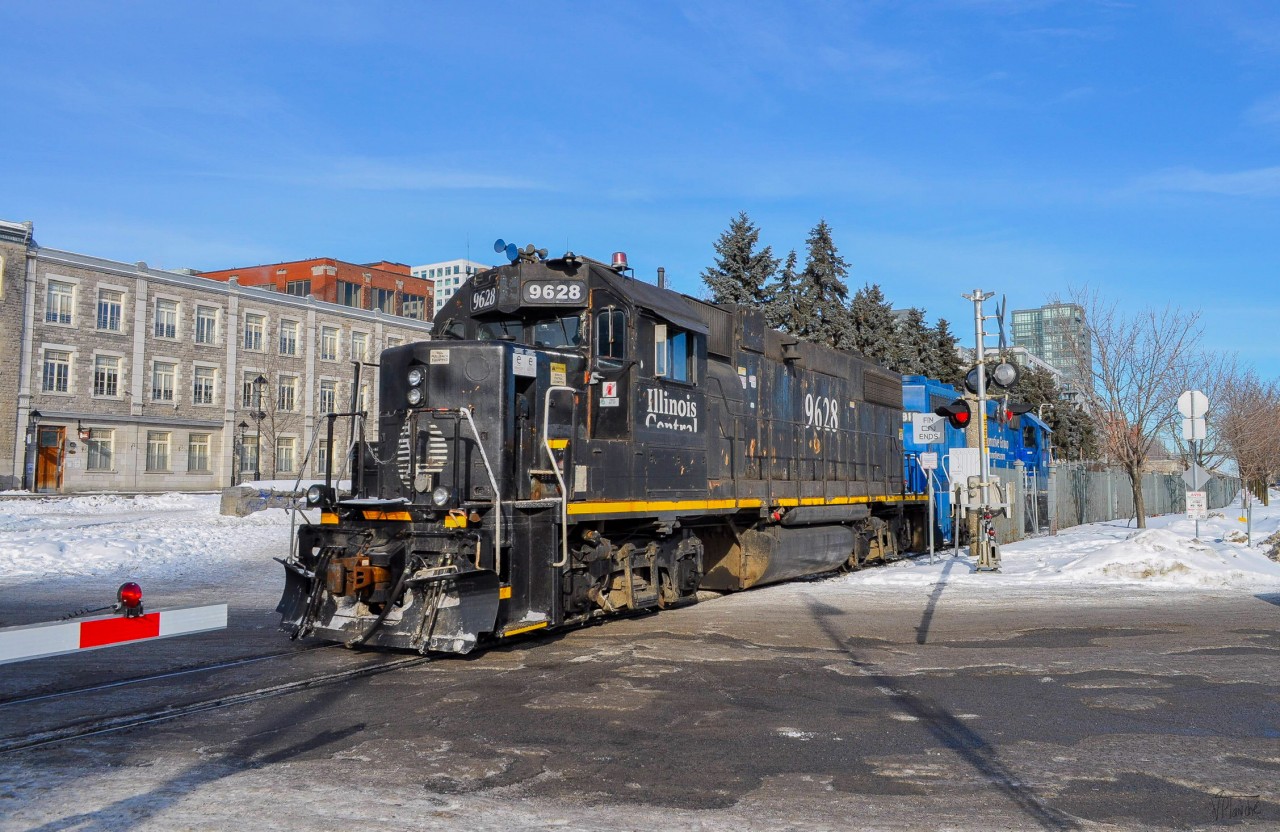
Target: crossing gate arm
35,641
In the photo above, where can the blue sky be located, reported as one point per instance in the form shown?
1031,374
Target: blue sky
1020,146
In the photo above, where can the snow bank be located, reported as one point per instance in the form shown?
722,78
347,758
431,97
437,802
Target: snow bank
147,536
1168,556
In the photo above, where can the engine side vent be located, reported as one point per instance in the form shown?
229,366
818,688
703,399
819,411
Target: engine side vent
882,388
719,328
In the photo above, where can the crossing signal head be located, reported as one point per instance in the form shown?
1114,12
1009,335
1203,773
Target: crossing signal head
957,413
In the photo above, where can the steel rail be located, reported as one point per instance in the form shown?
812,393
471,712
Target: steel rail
118,723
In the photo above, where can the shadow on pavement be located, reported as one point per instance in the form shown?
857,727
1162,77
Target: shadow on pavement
948,730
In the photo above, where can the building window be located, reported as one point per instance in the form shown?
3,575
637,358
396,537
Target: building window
359,346
58,302
301,288
203,380
411,306
166,318
284,453
251,391
288,337
249,455
101,446
288,393
384,300
106,376
162,377
254,326
157,450
322,456
394,341
198,452
57,371
349,294
206,324
109,306
329,343
328,396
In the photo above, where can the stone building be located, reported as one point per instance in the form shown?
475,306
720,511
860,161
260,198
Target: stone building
138,379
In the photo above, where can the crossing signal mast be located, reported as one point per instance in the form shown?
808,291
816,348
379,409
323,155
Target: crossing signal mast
959,414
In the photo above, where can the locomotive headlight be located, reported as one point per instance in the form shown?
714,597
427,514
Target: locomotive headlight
415,376
440,496
414,395
314,495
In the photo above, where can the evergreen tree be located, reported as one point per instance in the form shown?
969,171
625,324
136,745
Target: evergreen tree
782,297
820,298
1073,432
944,363
913,343
875,330
740,273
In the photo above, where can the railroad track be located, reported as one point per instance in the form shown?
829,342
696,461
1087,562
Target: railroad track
87,728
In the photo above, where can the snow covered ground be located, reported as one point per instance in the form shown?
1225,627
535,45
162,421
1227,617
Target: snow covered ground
183,537
174,536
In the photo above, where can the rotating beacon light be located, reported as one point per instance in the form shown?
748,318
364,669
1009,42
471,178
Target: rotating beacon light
129,600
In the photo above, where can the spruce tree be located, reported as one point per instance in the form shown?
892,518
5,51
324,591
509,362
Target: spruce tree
913,343
740,273
782,297
875,331
944,363
822,316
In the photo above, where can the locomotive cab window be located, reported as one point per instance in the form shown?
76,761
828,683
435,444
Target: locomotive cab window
558,332
674,355
611,337
504,330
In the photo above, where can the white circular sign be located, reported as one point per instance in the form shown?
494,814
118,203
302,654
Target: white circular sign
1193,404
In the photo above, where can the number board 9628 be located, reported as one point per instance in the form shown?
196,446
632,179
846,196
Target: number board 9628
554,292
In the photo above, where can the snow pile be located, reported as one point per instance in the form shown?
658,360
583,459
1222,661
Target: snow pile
1166,556
1162,556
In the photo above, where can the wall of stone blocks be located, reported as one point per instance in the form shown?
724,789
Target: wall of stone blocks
13,256
136,412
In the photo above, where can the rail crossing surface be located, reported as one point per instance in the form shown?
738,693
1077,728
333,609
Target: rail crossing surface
803,706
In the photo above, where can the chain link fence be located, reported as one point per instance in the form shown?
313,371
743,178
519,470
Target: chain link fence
1089,493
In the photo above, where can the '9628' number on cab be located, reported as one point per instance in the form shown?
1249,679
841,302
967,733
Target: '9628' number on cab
554,292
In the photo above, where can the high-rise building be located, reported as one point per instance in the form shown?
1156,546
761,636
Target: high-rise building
1057,333
447,276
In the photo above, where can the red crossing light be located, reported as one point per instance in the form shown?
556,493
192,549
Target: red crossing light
957,413
129,598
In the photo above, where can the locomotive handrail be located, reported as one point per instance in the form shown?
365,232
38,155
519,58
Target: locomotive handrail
555,467
497,494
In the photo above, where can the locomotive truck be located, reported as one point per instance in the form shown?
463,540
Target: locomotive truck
576,443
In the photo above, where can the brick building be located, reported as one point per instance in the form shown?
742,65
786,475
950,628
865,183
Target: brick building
386,287
138,379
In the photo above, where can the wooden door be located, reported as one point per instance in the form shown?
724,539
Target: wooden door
50,445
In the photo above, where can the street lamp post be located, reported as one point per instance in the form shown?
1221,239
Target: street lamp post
259,387
29,466
238,466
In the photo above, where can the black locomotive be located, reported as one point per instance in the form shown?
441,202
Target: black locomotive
575,443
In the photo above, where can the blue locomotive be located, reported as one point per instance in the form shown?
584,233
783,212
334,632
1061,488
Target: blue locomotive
1023,438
